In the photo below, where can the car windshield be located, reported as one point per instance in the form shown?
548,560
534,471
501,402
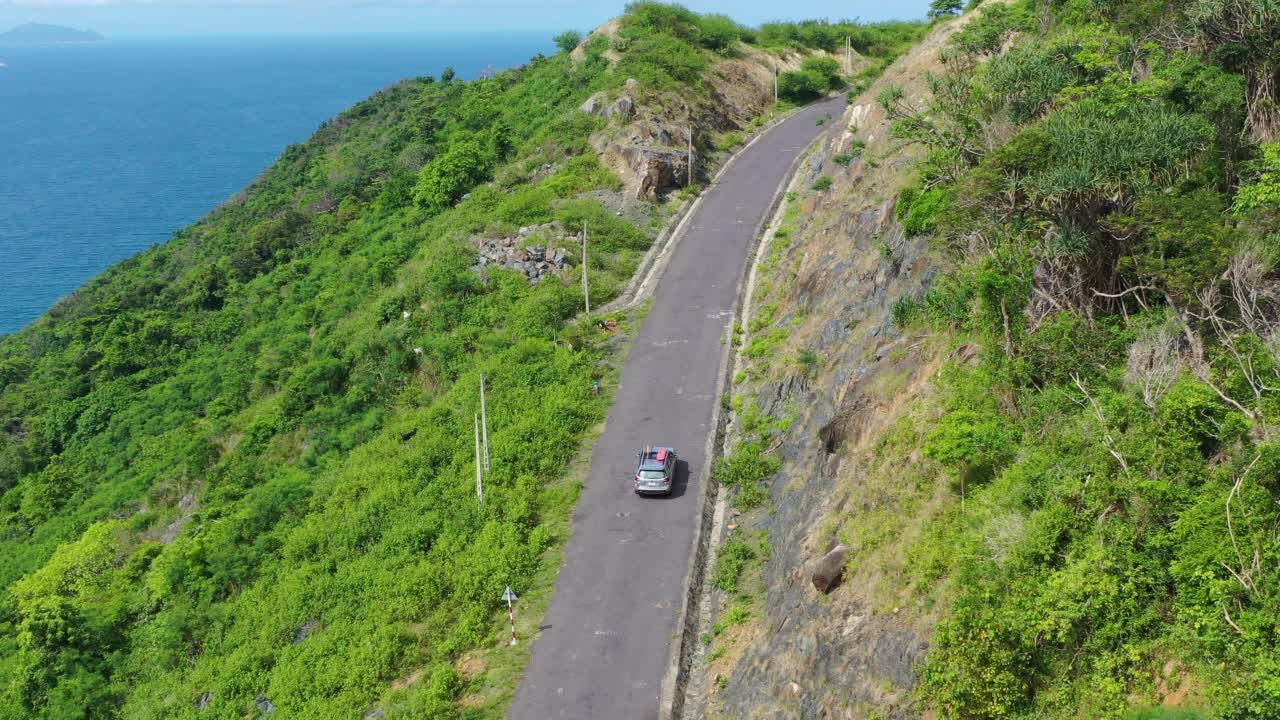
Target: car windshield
652,474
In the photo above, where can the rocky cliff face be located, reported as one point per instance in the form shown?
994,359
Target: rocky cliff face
826,290
648,138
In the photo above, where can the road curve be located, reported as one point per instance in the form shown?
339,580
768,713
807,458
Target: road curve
608,632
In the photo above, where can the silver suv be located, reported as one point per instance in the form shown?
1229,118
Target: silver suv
655,471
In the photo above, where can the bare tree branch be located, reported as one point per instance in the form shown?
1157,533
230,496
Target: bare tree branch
1108,441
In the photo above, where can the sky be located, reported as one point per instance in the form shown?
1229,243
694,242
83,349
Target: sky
203,17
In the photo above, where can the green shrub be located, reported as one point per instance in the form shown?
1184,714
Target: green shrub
568,40
731,562
1030,76
650,18
977,668
856,148
919,211
447,178
883,39
986,33
965,440
800,86
822,183
718,32
747,465
825,67
1263,190
662,61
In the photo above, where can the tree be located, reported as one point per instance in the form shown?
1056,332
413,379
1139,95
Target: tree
447,75
568,40
801,85
1245,36
827,68
718,32
501,144
944,8
448,177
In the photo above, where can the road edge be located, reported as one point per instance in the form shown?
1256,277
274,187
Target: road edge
680,661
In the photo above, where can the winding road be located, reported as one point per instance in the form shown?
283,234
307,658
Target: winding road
608,634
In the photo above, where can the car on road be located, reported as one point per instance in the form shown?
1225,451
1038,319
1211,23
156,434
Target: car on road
655,471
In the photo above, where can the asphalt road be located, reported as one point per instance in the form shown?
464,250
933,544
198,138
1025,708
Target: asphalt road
606,639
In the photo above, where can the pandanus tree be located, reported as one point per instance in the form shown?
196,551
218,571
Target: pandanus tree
1244,35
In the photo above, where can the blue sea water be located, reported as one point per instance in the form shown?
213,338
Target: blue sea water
107,149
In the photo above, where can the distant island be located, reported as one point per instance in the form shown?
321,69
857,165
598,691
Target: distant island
39,34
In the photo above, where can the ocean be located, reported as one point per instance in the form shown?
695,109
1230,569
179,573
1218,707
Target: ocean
109,148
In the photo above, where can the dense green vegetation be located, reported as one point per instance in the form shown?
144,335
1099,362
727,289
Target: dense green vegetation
668,44
816,77
303,365
237,469
1109,200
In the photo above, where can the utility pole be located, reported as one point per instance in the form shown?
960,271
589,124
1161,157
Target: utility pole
484,424
586,286
775,84
479,465
848,55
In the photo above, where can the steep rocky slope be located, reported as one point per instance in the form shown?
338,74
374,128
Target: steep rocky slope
1004,440
651,134
830,274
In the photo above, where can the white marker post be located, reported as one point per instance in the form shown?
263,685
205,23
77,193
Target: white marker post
586,285
484,425
479,465
511,598
689,180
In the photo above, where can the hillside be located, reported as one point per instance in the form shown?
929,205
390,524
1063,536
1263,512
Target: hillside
39,34
1010,371
236,471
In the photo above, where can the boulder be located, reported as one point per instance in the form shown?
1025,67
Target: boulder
662,171
310,626
827,570
594,104
623,107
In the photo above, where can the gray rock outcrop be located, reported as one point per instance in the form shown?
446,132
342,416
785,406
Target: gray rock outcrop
537,261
